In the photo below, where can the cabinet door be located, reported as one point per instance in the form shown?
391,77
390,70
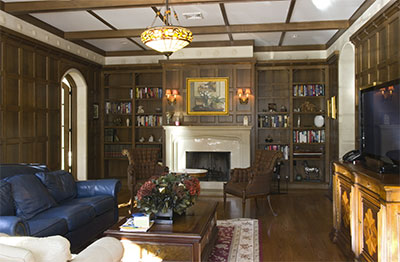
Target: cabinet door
368,225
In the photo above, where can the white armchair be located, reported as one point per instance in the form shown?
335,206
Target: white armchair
56,249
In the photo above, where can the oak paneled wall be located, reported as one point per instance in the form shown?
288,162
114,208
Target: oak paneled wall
377,51
241,74
30,101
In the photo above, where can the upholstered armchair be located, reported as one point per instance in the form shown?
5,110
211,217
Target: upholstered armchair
254,181
143,164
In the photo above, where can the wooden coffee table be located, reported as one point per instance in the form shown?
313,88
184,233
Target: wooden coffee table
190,238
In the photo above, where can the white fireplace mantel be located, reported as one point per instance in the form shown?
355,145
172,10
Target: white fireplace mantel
182,139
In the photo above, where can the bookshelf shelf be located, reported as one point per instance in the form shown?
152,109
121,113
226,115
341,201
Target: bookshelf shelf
122,94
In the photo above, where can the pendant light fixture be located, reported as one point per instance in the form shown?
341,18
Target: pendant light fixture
167,38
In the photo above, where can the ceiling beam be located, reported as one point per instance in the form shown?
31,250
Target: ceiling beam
288,17
226,21
75,5
204,30
289,48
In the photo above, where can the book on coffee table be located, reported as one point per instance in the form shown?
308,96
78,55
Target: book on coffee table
129,226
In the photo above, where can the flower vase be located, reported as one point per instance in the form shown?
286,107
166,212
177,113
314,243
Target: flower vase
164,218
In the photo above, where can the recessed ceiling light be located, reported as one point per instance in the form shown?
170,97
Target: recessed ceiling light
295,35
322,4
193,16
124,42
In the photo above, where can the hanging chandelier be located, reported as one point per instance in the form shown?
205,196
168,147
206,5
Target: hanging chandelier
168,38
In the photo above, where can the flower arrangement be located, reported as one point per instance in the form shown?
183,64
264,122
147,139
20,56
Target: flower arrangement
170,191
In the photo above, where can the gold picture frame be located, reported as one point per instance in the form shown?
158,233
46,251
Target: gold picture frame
207,96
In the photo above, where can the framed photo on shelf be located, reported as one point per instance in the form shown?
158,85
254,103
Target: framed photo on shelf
207,96
95,111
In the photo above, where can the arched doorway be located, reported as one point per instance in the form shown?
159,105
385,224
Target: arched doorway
74,124
346,99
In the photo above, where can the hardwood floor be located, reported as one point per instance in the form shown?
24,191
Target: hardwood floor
300,232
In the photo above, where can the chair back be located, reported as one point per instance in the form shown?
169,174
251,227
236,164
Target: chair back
265,160
143,161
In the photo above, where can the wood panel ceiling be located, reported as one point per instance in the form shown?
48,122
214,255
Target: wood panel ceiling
113,27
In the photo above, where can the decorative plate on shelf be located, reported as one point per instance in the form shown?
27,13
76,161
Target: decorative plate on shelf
319,121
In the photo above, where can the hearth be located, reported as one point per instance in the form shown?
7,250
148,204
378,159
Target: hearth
217,164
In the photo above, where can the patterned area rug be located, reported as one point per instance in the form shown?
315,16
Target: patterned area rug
238,240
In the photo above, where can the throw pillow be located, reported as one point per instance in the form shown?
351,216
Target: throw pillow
30,195
6,201
60,184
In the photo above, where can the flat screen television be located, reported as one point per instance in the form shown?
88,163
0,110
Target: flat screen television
380,124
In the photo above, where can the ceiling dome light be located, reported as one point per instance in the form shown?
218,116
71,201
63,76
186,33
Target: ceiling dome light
168,38
322,4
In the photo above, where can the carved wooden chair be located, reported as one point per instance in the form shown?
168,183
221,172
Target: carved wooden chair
143,164
254,181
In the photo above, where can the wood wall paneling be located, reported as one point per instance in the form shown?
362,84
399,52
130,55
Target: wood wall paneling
30,75
377,52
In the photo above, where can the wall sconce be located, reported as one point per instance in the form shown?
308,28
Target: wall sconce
243,98
171,96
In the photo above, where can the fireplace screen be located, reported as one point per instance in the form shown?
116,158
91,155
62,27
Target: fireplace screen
218,164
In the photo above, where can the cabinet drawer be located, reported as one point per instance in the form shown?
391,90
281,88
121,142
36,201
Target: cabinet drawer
143,251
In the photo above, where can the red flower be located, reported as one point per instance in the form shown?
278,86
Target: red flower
145,189
193,185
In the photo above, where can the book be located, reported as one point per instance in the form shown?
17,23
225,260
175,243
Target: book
129,226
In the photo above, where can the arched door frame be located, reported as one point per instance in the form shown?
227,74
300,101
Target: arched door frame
81,122
347,96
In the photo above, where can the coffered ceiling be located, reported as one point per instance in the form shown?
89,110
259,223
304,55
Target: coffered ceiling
113,27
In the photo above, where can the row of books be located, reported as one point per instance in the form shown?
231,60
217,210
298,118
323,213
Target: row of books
282,148
118,108
150,120
114,151
308,90
147,92
273,121
110,135
310,136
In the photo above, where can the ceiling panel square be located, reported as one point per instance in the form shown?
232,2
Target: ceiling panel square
210,38
71,21
318,37
322,10
260,39
115,44
129,18
257,12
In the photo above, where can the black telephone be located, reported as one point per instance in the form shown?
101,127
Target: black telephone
352,156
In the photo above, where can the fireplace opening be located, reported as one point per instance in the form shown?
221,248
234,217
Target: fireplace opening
218,164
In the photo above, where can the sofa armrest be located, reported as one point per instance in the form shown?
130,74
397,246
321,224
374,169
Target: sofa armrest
13,226
98,187
106,249
15,254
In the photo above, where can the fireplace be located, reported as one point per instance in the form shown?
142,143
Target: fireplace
182,139
217,163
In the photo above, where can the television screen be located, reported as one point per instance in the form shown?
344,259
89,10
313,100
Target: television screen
380,122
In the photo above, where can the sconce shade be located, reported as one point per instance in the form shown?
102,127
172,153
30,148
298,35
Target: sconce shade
168,92
247,92
175,92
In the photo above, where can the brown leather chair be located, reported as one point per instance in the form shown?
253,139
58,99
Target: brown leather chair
254,181
143,164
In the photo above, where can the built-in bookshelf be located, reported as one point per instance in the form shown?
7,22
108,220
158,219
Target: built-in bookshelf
291,107
132,115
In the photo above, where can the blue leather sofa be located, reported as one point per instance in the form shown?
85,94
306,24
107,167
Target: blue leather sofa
37,202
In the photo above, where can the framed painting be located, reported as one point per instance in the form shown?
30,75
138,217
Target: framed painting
207,96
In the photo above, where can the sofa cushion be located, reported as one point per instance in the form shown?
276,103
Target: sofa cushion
41,227
7,170
6,200
61,184
30,195
100,203
44,249
75,215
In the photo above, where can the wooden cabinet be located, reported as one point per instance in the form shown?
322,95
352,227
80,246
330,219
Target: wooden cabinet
132,115
291,117
366,209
